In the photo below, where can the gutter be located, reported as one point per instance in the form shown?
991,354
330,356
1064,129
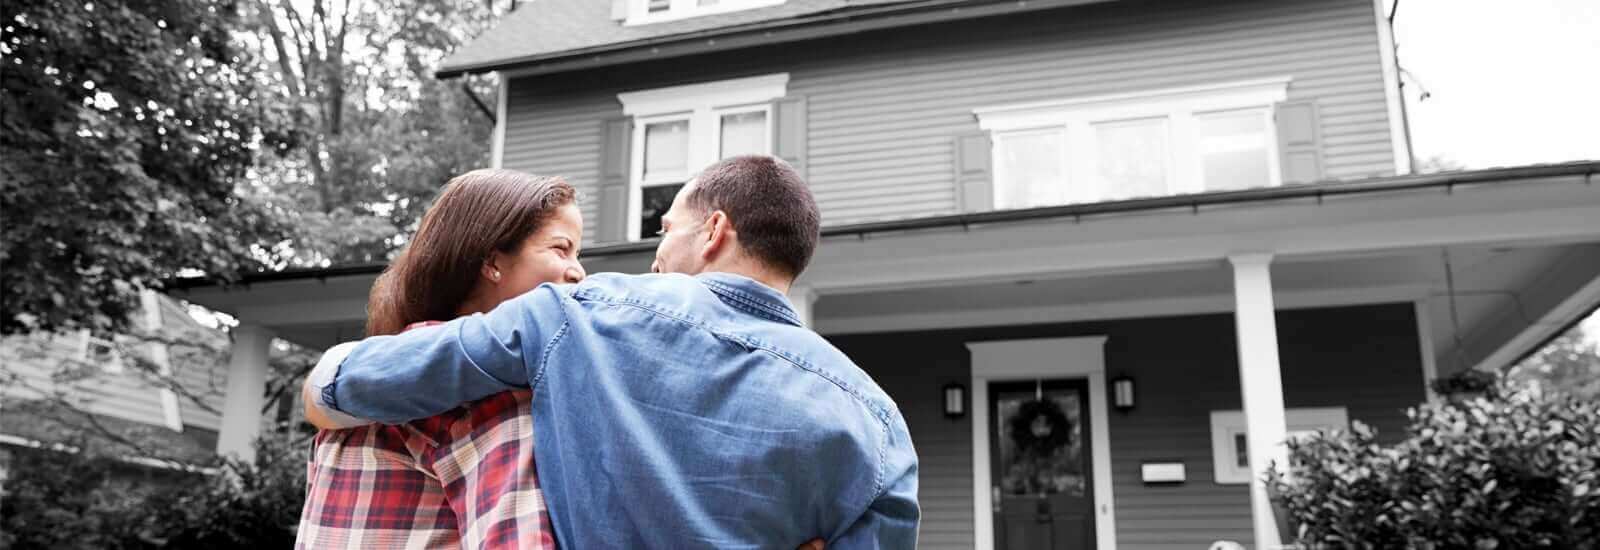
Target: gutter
1447,181
839,22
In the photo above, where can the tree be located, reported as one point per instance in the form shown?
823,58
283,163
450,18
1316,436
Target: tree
128,129
1570,363
380,134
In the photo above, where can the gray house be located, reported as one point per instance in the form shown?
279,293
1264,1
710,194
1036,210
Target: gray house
1106,255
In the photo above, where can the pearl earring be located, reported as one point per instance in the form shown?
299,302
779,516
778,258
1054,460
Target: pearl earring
496,275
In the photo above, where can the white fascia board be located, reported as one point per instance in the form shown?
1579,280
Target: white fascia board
639,13
689,97
1207,97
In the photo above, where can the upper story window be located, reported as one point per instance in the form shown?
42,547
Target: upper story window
643,12
1156,143
679,130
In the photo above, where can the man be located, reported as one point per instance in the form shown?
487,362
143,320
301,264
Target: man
672,410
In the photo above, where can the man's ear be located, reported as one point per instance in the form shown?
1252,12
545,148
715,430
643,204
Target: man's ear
719,236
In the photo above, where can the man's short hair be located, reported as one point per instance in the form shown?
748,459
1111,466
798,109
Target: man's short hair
770,207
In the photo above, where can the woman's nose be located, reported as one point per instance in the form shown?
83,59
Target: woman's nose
574,273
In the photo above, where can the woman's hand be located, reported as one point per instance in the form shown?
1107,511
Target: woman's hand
814,544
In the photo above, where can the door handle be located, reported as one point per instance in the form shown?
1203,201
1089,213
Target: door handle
994,498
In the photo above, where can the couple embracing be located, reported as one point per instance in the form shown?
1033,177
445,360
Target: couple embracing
523,404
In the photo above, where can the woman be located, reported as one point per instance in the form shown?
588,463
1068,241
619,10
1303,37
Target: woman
463,479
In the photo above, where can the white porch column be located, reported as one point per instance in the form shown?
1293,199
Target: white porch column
804,299
1261,384
247,382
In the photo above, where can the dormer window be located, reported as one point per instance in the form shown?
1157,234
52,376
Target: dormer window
644,12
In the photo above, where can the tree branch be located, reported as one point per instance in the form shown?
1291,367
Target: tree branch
269,19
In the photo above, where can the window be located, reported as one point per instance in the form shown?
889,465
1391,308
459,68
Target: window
679,130
1230,442
1233,149
644,12
1165,142
100,352
1033,162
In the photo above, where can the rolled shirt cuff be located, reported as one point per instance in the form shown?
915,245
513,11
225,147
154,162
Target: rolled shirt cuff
320,385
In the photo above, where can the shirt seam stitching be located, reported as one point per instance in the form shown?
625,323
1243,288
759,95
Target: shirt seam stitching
741,297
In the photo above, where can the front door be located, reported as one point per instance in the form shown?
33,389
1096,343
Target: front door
1042,497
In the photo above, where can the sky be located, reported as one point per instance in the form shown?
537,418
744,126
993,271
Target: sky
1510,82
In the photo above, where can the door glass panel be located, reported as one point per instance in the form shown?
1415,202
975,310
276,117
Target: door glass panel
1233,149
655,200
1041,443
744,134
666,149
1031,167
1132,158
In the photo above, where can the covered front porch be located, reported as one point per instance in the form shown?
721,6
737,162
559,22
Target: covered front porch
1344,295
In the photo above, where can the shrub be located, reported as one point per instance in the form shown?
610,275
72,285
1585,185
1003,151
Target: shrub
1506,469
88,500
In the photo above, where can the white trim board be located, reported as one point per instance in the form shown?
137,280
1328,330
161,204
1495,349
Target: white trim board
497,143
1391,89
1082,357
639,13
720,93
1430,365
1130,309
171,412
1263,92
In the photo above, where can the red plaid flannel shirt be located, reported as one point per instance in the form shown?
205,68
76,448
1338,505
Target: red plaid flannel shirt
462,479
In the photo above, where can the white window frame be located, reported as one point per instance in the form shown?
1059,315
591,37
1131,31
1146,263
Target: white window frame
639,10
1227,425
87,342
703,105
1181,109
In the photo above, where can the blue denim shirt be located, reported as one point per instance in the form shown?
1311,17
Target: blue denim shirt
669,411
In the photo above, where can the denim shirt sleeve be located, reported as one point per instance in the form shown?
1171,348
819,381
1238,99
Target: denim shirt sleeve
430,370
892,518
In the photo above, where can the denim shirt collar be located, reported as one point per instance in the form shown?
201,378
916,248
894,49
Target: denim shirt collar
751,296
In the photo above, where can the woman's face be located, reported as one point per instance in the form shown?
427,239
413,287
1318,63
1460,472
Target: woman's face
549,255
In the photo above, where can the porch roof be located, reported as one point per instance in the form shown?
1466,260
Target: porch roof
1524,243
1194,203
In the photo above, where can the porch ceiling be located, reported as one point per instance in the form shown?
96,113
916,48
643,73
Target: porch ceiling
1488,289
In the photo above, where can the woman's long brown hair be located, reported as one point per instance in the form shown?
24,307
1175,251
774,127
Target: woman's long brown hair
478,213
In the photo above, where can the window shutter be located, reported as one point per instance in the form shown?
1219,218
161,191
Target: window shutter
974,177
619,9
789,131
615,160
1299,141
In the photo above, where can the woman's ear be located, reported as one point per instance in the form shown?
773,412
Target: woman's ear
491,268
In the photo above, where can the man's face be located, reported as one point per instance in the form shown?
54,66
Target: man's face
682,236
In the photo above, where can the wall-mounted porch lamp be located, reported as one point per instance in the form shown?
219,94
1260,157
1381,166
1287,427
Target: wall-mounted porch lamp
955,400
1122,393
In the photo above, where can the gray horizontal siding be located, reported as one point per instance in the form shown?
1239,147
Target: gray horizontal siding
883,108
1363,358
35,361
559,135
